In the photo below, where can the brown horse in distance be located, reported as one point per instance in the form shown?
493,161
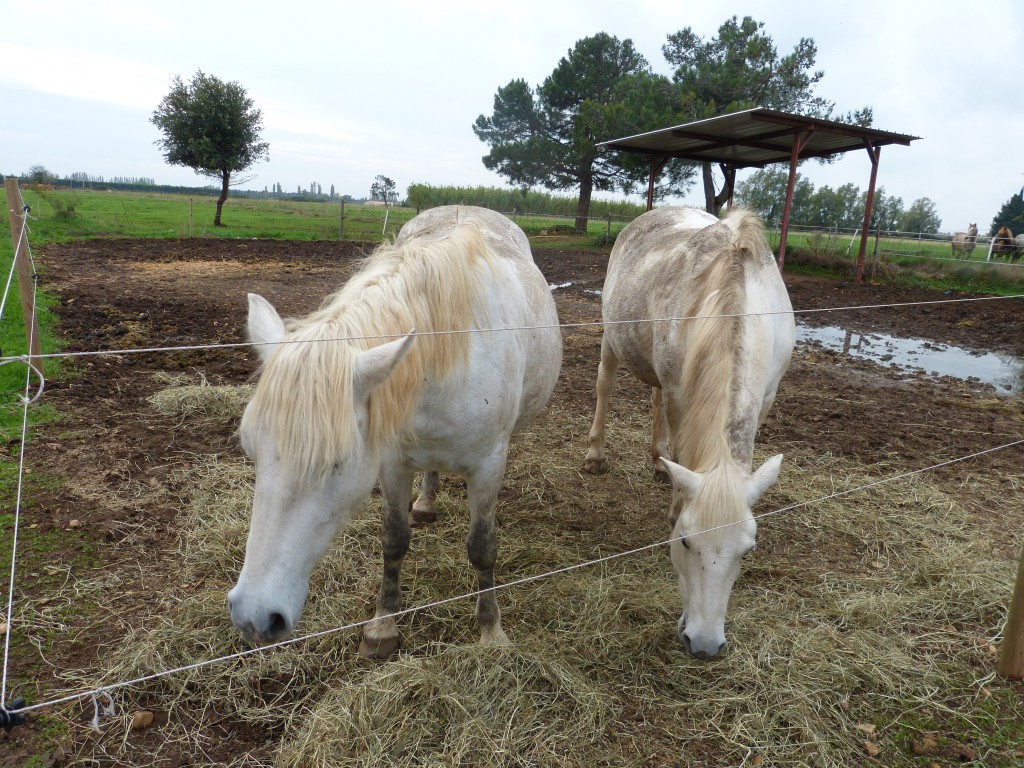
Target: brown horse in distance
1003,244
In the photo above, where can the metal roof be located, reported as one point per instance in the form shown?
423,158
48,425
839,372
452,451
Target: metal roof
754,138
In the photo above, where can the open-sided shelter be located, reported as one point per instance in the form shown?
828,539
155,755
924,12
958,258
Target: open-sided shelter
758,137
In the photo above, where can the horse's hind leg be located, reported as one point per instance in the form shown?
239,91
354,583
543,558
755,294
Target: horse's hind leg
381,637
482,543
595,461
423,511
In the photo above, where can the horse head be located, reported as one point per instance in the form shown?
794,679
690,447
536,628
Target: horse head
296,511
714,530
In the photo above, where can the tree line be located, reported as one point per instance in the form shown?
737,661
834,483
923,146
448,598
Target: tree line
422,196
604,88
764,192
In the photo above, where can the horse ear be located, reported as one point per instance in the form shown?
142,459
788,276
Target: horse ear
684,480
376,364
266,328
763,477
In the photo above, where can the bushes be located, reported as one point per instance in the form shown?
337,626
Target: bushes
63,207
521,201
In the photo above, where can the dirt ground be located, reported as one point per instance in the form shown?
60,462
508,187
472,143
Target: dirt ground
126,295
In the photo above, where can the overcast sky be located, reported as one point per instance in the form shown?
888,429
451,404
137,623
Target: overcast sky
349,92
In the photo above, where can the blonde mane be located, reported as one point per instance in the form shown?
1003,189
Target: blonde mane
304,396
712,347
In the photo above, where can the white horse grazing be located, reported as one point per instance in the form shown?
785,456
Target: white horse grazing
964,242
714,379
336,406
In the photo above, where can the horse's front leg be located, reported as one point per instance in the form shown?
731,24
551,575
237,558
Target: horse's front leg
482,543
381,637
423,511
595,461
660,446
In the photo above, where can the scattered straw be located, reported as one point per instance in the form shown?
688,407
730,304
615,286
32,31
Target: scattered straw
183,398
858,624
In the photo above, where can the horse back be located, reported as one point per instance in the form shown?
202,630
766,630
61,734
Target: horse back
655,281
509,375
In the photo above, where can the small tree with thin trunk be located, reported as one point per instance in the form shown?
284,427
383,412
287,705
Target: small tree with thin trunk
211,127
383,189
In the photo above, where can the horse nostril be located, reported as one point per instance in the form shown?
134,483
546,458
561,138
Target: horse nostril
277,627
720,648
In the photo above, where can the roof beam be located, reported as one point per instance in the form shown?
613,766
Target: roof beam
719,141
855,131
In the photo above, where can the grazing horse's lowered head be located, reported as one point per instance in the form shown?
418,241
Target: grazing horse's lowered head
964,242
707,557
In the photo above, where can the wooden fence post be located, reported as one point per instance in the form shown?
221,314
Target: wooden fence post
341,224
19,238
1011,655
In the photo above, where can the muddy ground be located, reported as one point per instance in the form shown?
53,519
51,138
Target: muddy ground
109,443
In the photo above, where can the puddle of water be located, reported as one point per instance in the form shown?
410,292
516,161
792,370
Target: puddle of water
1004,372
558,286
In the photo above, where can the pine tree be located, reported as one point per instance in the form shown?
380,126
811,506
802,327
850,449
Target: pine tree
1011,215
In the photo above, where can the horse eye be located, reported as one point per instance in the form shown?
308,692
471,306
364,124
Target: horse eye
684,542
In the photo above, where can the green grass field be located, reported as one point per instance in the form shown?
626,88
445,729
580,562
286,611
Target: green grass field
60,216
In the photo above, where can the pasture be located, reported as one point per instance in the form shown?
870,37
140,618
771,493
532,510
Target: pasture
73,214
863,629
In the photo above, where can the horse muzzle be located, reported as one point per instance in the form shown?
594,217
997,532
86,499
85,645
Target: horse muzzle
261,627
699,646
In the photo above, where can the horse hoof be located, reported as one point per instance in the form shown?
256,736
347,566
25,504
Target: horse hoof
495,637
420,517
378,649
596,466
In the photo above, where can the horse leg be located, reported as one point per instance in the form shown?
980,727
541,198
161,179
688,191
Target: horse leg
595,461
381,637
482,543
659,434
423,511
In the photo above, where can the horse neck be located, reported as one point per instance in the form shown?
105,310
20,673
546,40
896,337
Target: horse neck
305,394
431,286
712,344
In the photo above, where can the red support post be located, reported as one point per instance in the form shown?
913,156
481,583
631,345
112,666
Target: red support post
874,153
799,142
657,166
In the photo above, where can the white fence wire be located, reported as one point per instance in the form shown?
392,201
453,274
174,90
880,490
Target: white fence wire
106,690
